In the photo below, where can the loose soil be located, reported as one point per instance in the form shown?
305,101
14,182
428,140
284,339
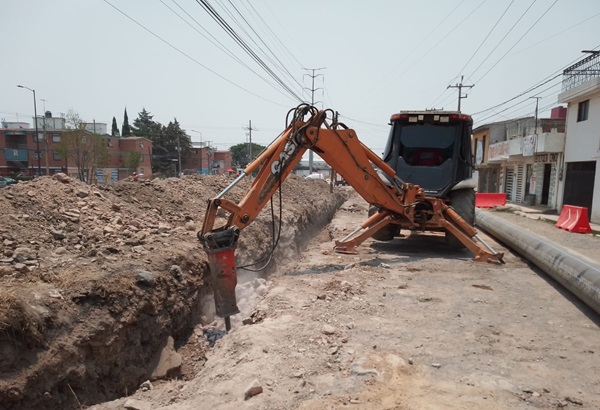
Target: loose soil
95,279
406,324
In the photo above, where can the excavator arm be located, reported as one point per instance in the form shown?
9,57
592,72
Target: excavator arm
400,202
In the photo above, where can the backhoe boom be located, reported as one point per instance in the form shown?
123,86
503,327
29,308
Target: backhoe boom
401,203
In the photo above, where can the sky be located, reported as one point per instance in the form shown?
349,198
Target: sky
378,57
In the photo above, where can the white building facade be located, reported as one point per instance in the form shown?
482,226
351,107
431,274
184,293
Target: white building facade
581,92
524,159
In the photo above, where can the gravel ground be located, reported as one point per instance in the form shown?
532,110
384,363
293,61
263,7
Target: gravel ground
405,324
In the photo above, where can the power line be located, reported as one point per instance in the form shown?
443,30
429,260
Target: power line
232,33
503,38
273,33
188,56
553,76
516,104
557,34
477,50
443,38
217,43
282,66
406,56
517,42
520,94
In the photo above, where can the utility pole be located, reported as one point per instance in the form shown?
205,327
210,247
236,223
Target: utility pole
37,135
249,129
179,174
45,138
460,86
537,101
312,102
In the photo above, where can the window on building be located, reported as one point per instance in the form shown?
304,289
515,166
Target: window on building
56,156
109,142
36,156
40,137
55,137
582,110
194,161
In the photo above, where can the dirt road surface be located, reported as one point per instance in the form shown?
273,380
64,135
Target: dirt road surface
407,324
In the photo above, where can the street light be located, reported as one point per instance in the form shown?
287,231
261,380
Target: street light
37,136
200,136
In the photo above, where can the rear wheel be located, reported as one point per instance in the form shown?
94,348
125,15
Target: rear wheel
463,202
387,233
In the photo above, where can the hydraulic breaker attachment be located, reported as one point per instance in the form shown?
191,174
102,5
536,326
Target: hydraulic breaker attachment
220,248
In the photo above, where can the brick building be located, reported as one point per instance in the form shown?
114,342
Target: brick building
19,147
206,160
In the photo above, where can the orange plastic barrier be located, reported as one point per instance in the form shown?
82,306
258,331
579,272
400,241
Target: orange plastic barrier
489,200
574,219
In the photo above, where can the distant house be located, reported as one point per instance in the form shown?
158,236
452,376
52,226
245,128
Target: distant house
19,147
522,157
581,92
206,160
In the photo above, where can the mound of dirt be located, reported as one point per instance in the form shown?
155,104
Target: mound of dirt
95,279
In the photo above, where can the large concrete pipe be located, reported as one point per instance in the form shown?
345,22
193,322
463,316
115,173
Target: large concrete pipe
575,272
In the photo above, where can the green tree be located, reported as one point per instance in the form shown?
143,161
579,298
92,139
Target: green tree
115,129
133,160
145,126
84,149
240,153
126,129
166,149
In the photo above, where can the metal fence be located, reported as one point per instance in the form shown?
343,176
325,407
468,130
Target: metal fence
582,71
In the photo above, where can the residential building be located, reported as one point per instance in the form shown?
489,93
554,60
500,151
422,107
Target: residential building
206,160
19,146
581,93
522,157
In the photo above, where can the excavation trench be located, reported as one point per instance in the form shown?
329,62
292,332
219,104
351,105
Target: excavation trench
95,281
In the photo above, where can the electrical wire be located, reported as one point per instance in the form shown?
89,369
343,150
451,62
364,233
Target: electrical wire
519,40
281,65
190,57
217,43
530,89
406,56
476,51
442,39
518,103
553,76
501,40
556,34
273,33
233,34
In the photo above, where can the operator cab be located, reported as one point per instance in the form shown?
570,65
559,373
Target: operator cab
431,149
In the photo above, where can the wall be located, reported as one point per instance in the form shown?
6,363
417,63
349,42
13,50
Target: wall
583,141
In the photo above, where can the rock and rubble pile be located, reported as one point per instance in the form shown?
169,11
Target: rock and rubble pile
95,279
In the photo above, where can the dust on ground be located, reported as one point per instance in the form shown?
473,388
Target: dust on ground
94,280
406,324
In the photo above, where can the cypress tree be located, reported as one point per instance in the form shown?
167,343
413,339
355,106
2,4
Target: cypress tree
126,129
115,128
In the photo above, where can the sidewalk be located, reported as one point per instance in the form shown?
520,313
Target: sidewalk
543,213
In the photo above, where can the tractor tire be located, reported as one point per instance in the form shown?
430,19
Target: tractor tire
385,234
463,202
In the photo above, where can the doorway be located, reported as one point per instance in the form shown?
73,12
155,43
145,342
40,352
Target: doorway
579,184
546,184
